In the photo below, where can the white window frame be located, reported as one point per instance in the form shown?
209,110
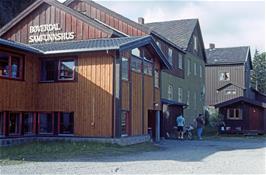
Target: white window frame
158,44
200,71
195,69
195,42
170,92
180,95
234,117
223,72
170,56
230,92
188,67
180,61
125,74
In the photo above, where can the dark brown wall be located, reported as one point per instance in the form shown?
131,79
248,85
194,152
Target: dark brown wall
46,14
94,11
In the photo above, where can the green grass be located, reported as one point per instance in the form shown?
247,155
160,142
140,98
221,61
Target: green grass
64,151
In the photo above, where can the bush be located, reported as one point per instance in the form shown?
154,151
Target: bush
213,118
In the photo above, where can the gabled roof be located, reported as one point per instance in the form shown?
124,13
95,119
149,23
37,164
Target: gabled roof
230,55
229,84
241,99
19,46
177,31
116,15
57,4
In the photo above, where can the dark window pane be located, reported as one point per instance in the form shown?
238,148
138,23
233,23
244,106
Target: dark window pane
48,70
124,123
147,68
66,123
66,70
135,64
28,123
1,123
124,68
15,67
14,123
46,123
4,65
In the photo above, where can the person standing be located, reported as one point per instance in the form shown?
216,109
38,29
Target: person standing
200,124
180,121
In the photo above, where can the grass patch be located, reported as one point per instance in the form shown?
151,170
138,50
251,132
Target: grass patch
66,150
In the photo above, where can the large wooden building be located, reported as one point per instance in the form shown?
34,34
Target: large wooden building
65,73
228,88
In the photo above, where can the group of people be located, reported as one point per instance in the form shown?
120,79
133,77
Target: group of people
199,122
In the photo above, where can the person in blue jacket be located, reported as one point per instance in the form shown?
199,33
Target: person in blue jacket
180,121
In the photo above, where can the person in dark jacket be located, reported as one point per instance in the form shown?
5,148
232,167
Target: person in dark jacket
200,124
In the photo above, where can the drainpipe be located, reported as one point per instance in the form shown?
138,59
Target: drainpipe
157,133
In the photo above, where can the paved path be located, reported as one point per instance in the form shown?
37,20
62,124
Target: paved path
193,157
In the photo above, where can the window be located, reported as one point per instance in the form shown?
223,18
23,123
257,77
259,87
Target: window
200,71
66,69
156,79
158,44
188,68
136,52
180,61
124,69
180,94
57,70
230,92
1,123
195,69
14,123
188,97
170,92
147,68
234,114
136,64
46,123
195,42
66,123
170,56
124,123
224,76
28,123
10,66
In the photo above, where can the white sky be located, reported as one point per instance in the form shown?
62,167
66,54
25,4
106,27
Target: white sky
225,23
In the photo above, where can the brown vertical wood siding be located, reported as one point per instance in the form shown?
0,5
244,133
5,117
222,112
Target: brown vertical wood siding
90,98
212,83
125,96
46,14
107,18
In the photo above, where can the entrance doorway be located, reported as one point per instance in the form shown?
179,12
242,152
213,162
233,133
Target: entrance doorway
152,123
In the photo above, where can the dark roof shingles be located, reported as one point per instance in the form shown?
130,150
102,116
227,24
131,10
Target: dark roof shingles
231,55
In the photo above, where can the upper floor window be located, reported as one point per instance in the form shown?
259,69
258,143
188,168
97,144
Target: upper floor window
136,52
188,67
195,69
234,114
57,70
158,44
200,71
230,92
156,79
224,76
11,66
170,92
124,68
180,94
195,42
135,64
147,68
180,61
170,56
188,97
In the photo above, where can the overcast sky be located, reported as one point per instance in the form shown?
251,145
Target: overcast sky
225,23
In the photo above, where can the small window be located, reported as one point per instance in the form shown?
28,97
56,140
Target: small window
200,71
180,61
170,92
188,67
170,56
224,76
180,94
158,44
156,79
66,123
66,69
124,69
28,123
147,68
234,114
195,42
124,123
195,69
1,123
188,97
136,52
49,69
10,66
136,64
46,123
14,123
230,92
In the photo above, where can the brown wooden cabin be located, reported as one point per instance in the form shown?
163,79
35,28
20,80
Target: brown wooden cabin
243,115
70,80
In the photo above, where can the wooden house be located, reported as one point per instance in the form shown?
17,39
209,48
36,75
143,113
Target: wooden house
228,88
65,74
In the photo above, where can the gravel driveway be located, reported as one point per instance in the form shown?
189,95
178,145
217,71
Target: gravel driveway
194,157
